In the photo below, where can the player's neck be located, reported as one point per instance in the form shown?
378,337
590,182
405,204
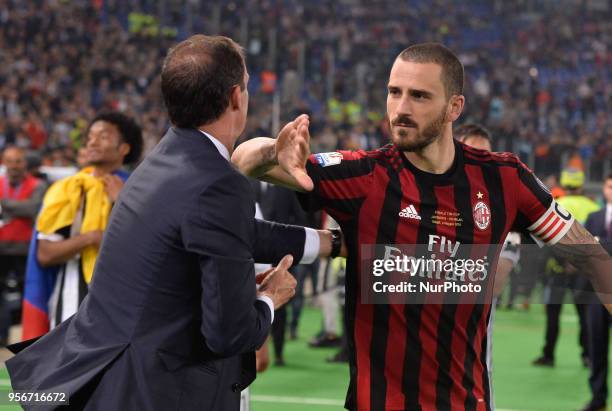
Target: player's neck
436,158
100,170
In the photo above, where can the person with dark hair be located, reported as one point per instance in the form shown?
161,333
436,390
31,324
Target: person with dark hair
71,222
474,135
127,130
201,73
21,194
173,314
424,188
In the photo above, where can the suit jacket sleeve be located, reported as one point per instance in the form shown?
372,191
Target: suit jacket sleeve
598,228
219,228
273,241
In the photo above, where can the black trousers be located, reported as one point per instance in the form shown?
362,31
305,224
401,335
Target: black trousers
278,331
11,266
297,304
553,312
558,285
598,320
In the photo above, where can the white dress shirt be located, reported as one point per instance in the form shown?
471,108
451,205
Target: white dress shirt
608,217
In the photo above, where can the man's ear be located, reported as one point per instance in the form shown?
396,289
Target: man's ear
124,149
455,107
235,100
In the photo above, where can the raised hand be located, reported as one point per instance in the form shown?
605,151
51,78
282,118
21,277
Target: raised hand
292,150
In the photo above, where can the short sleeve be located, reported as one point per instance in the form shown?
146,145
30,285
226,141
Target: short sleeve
340,180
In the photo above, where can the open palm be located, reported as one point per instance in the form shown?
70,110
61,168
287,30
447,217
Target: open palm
293,150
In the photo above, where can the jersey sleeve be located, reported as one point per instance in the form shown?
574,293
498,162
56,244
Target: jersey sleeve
545,220
340,180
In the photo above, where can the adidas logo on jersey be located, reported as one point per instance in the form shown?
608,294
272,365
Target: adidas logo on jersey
410,212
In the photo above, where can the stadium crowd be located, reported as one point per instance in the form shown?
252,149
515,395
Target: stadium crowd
539,82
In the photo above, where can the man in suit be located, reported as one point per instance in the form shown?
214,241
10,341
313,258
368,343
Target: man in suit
599,224
173,315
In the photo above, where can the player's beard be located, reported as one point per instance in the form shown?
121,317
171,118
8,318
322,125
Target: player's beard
424,138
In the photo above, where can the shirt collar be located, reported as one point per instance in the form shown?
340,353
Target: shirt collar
220,147
608,213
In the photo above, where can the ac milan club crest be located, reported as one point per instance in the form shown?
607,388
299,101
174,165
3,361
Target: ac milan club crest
482,215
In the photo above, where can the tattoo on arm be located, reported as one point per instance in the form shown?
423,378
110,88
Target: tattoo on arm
583,251
268,161
577,235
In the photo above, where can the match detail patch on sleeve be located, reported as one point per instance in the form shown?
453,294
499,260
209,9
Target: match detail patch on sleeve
328,159
552,225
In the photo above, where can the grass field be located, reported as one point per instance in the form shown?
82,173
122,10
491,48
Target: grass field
308,383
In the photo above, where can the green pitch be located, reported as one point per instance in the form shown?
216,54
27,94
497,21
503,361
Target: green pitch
308,383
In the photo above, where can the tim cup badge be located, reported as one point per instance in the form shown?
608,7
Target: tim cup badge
482,215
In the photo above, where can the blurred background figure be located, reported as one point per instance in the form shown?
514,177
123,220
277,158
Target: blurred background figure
474,135
536,76
598,318
71,223
20,198
82,158
280,205
562,277
330,299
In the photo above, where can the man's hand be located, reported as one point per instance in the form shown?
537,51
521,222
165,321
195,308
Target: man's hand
112,185
293,149
279,284
262,276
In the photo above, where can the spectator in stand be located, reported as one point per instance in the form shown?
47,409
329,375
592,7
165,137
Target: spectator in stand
66,61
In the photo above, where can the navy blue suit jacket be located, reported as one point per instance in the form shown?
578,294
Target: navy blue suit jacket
596,224
171,320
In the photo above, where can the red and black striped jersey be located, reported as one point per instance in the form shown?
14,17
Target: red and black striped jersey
427,356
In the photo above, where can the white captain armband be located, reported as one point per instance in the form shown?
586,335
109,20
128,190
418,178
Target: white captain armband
552,225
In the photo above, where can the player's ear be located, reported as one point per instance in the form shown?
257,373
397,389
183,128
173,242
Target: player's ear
455,107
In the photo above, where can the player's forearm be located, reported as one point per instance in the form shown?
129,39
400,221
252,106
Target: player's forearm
504,266
24,208
255,157
582,250
58,252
